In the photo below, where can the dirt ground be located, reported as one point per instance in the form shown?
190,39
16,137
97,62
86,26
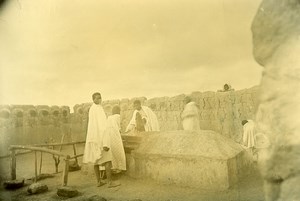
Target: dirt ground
249,189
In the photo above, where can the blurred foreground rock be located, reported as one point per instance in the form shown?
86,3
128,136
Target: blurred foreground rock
36,188
67,191
276,46
13,184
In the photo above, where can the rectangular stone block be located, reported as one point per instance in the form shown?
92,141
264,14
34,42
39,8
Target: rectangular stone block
202,159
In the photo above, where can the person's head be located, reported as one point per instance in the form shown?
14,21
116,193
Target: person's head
97,98
137,105
226,87
244,122
116,110
187,99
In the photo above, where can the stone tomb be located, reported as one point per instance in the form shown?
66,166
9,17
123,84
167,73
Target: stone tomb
202,159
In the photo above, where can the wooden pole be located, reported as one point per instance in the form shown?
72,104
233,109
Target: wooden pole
76,156
13,164
54,144
66,171
74,149
56,161
35,167
49,151
61,142
41,162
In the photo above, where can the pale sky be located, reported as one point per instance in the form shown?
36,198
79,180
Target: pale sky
58,52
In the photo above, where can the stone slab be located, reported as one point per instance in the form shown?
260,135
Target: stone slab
202,159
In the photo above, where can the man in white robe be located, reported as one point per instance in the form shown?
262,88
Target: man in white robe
116,143
249,133
97,147
150,122
190,116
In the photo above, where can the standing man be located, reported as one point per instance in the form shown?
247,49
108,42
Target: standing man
249,134
97,146
190,115
249,141
143,119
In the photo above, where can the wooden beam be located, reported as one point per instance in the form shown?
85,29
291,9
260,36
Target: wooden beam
50,151
74,150
76,156
35,167
41,163
13,164
17,153
66,171
54,144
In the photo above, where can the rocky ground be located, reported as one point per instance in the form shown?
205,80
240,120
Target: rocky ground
249,189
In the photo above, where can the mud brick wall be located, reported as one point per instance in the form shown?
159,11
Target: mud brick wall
221,112
218,111
28,124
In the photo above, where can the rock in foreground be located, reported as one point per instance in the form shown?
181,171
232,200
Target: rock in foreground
67,191
13,184
36,188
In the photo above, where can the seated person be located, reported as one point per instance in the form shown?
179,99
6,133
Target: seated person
149,119
140,122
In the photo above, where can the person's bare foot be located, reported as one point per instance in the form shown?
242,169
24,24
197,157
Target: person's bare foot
113,184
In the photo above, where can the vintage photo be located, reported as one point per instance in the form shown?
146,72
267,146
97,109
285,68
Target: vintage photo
131,100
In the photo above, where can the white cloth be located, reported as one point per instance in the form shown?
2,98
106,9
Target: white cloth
151,120
249,134
190,117
96,137
116,143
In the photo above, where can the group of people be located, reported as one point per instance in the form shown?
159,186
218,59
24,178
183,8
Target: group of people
104,145
144,119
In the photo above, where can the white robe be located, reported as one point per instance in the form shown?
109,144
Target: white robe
249,134
190,117
96,137
116,143
151,120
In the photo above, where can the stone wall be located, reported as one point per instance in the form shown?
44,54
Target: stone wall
28,124
221,112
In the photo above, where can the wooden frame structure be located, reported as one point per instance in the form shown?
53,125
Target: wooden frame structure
43,149
130,143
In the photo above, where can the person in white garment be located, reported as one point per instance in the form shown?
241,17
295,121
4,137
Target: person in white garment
143,119
97,147
249,134
190,115
116,143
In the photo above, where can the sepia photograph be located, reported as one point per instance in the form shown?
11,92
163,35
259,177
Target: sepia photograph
169,100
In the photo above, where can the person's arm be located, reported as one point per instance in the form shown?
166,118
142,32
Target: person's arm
106,140
129,128
131,124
